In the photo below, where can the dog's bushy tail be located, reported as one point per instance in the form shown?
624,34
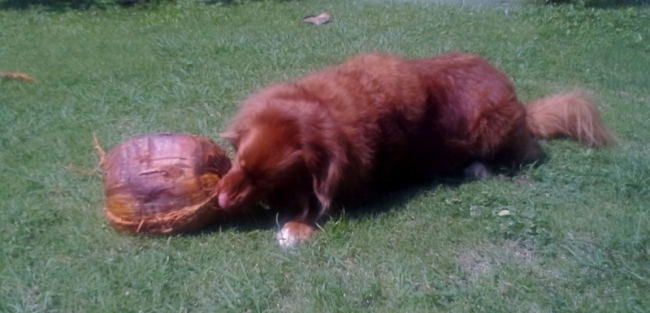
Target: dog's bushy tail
572,114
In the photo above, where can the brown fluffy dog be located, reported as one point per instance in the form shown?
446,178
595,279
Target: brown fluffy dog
377,117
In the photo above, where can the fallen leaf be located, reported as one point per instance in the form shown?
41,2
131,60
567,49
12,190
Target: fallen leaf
318,19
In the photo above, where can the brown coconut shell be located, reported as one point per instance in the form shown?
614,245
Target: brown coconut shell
163,183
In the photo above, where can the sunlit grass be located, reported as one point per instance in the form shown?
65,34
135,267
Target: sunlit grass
576,238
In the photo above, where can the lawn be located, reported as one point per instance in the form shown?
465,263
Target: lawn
576,239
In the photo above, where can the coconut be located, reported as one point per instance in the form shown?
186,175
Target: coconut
163,183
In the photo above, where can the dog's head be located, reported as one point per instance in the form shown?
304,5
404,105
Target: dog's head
273,150
268,156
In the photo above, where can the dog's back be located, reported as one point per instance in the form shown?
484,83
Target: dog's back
379,103
367,87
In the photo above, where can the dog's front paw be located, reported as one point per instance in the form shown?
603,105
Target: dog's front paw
294,233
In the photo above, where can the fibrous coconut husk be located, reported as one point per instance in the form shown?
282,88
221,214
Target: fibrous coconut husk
163,183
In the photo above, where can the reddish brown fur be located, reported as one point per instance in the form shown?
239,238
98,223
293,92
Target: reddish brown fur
301,145
569,114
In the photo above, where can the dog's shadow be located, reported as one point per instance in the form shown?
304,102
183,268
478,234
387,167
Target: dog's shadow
388,199
394,196
378,202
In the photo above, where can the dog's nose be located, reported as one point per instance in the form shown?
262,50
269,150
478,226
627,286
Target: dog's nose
224,201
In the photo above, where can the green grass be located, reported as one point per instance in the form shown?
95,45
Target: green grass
577,238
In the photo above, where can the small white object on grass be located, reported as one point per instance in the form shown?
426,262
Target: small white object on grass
294,233
503,213
286,239
318,19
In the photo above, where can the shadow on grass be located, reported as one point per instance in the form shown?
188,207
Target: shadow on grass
379,200
64,5
392,198
382,201
613,4
235,2
603,4
52,5
257,218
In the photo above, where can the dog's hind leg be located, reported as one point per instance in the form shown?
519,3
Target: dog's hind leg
477,170
519,148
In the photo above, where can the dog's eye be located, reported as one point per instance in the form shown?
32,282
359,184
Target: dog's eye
251,176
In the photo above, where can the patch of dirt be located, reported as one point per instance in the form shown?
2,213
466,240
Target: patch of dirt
475,261
483,259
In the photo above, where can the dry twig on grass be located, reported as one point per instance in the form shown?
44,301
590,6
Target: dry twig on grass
17,76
